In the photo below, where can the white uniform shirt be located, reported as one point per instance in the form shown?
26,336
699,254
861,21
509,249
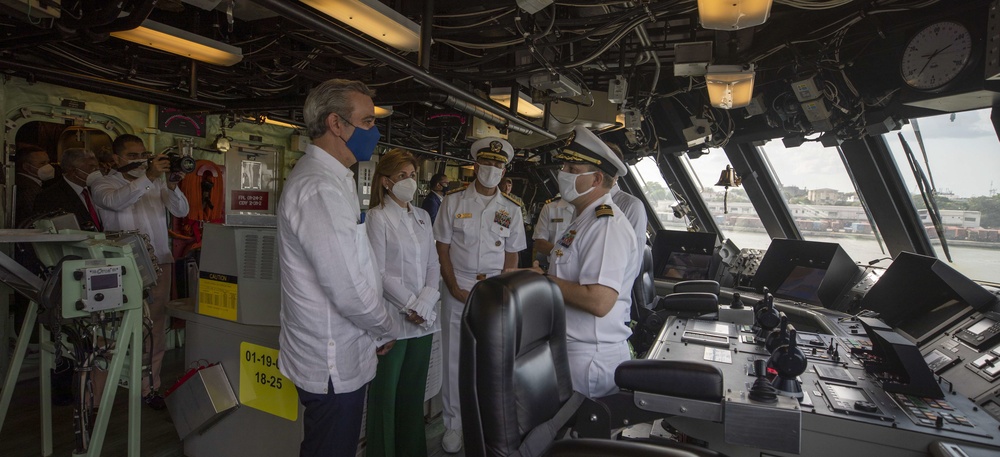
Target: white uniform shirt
635,212
597,250
480,230
140,205
403,242
553,220
333,316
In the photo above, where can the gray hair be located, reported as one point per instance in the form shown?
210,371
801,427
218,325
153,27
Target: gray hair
328,98
73,158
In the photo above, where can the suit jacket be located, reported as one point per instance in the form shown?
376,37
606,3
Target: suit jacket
27,193
431,204
62,196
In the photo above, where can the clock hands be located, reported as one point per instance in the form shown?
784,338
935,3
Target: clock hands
931,58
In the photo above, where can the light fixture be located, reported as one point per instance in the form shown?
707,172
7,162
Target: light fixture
525,107
373,18
268,120
182,43
729,86
383,111
733,14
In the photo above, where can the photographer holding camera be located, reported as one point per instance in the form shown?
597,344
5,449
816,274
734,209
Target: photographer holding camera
134,197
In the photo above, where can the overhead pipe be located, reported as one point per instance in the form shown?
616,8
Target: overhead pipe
426,35
100,25
107,86
309,18
426,152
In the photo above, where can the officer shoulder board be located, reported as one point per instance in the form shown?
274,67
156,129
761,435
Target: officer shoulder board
604,211
557,197
455,191
517,200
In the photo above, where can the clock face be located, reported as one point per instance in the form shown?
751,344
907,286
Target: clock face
936,55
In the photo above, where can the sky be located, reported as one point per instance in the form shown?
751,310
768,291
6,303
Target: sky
964,156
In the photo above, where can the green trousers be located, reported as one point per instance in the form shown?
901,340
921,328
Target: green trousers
396,401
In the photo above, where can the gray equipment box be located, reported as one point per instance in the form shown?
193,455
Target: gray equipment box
202,400
239,279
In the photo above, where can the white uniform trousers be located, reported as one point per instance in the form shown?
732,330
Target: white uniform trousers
451,341
592,366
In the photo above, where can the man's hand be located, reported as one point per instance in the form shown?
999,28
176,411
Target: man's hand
174,179
384,349
535,267
460,294
157,167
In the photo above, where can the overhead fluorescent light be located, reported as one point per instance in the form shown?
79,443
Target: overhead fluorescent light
733,14
729,86
525,106
375,19
182,43
383,111
268,120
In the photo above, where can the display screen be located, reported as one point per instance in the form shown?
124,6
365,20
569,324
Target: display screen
802,284
848,394
102,282
684,265
981,326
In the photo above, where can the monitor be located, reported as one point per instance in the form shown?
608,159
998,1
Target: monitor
685,265
802,284
682,255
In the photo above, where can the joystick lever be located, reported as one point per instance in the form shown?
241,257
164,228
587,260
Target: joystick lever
737,303
762,390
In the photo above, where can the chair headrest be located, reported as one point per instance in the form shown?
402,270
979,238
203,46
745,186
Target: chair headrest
698,285
698,302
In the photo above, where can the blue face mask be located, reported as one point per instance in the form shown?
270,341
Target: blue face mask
362,142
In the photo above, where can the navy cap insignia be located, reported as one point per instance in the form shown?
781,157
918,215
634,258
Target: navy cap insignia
496,146
604,211
571,137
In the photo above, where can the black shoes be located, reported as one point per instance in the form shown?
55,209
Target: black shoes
154,400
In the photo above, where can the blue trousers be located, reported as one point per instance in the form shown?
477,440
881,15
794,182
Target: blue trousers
332,422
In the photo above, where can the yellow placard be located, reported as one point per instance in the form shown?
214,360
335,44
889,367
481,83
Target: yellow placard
261,384
217,298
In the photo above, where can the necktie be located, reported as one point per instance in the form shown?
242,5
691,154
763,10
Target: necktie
92,209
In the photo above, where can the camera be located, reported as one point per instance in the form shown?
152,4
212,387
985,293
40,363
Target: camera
180,163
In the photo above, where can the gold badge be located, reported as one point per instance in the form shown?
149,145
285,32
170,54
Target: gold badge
559,253
571,138
463,215
496,146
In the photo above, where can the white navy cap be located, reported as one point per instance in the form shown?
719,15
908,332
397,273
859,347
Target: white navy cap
585,147
493,149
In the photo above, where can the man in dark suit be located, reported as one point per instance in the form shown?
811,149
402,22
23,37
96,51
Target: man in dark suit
33,169
72,192
438,185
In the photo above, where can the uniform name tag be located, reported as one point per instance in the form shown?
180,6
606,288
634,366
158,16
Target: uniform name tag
557,220
463,215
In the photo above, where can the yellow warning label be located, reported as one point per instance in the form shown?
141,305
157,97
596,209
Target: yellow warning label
217,298
261,384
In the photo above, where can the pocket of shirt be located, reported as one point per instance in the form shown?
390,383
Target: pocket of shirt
500,230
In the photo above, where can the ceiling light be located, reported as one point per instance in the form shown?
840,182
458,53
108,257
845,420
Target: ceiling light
182,43
729,86
268,120
525,107
383,111
733,14
373,18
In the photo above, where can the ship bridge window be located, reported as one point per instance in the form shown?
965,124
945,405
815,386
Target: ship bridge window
822,198
741,224
659,196
961,163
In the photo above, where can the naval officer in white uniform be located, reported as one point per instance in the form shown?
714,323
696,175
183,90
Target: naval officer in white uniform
479,232
553,220
594,263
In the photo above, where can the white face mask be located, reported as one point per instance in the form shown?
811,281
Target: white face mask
46,172
404,189
93,177
567,185
489,176
137,172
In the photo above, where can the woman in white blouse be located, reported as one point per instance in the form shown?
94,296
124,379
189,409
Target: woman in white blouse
400,234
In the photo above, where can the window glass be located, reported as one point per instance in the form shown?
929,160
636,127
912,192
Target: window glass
963,160
657,193
822,199
741,224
